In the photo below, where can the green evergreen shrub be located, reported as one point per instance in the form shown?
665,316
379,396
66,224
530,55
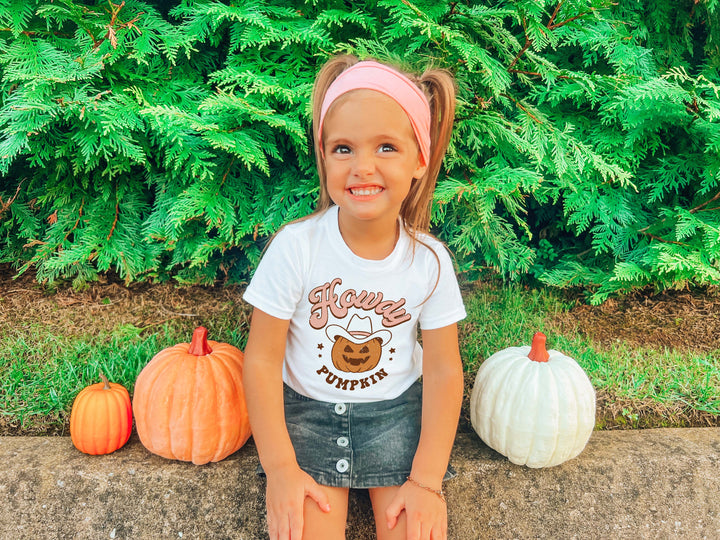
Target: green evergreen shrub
168,142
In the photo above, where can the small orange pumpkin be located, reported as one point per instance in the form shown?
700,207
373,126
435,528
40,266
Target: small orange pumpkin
189,401
101,418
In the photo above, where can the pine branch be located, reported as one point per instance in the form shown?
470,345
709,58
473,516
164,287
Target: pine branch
114,25
227,171
521,72
5,205
551,22
660,239
31,33
525,47
114,224
698,208
551,25
522,108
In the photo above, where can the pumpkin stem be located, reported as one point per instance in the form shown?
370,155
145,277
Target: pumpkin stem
538,351
199,344
105,380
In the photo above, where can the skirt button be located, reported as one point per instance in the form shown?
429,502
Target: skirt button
343,441
342,465
340,408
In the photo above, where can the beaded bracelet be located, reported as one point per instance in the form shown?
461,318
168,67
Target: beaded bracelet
438,492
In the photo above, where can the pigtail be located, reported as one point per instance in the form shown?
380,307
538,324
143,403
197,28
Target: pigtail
439,87
329,72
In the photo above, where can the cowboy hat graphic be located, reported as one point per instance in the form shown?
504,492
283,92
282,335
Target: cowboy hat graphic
359,330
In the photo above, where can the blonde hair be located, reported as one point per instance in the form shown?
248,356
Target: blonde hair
439,87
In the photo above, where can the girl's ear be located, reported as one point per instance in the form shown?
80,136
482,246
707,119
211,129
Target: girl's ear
421,169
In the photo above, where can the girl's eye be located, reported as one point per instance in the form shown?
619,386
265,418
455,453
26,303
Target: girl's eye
387,148
341,149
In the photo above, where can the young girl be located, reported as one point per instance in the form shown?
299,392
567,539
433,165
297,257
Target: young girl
332,363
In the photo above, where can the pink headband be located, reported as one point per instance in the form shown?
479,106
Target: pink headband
372,75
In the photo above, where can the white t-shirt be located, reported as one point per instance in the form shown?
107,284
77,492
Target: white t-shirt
353,322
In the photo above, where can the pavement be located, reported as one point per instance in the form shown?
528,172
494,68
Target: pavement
655,484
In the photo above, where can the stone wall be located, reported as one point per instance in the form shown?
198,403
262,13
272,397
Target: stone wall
629,484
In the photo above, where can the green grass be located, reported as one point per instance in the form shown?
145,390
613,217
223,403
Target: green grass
500,317
40,372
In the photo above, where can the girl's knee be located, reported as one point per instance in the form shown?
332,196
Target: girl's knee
381,499
330,525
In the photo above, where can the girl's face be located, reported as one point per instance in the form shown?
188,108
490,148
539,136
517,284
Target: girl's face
371,157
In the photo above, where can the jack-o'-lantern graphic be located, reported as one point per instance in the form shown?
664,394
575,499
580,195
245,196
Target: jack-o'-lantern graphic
357,348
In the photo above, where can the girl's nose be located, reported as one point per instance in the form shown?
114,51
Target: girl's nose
364,164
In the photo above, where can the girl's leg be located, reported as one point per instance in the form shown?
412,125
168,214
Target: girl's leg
331,525
381,498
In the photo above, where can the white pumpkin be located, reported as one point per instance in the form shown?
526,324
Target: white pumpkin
536,407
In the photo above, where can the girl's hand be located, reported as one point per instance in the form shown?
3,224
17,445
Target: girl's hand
285,499
425,512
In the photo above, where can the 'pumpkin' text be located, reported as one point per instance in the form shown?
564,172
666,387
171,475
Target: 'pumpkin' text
351,384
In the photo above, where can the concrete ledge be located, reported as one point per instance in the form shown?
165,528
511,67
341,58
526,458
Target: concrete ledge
662,483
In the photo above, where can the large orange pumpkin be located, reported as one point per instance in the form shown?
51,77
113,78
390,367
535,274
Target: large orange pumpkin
189,402
101,418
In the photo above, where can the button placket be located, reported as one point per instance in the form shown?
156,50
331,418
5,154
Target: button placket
342,465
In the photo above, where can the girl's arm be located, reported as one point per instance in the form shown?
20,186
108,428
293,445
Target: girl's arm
287,484
442,398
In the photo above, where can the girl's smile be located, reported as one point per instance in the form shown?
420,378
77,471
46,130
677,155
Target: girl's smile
360,191
371,159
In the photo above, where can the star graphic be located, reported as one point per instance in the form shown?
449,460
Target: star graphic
392,351
321,346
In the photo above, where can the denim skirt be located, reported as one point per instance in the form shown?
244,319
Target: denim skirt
356,445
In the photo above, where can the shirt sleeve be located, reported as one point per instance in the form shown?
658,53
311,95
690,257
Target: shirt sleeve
445,304
277,285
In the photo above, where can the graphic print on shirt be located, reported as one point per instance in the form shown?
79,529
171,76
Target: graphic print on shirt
357,347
